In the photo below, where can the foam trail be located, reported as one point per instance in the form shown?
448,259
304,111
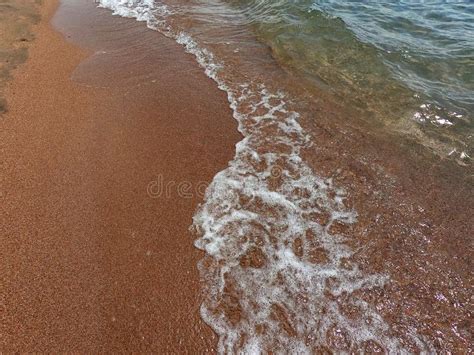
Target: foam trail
277,271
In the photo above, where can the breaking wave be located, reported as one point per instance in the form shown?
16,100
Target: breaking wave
277,271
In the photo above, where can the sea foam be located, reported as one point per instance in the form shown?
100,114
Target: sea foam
277,275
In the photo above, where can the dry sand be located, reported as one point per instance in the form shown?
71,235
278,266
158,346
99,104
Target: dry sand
89,260
16,19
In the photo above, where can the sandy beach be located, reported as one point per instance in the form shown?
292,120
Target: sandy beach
91,259
110,135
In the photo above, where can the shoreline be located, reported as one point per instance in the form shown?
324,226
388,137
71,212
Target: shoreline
92,261
411,227
105,170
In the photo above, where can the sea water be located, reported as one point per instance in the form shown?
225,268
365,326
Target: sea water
277,275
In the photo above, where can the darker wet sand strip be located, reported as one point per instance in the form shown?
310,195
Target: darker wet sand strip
89,260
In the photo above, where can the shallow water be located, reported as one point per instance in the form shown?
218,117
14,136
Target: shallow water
280,272
400,61
408,67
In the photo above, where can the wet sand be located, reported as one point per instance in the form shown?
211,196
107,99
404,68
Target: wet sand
414,224
93,258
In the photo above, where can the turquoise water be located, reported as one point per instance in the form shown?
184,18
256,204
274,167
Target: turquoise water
427,46
398,60
406,66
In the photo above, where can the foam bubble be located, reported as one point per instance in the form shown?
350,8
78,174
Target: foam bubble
276,272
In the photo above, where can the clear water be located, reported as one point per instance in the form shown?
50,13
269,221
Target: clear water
429,47
278,272
396,61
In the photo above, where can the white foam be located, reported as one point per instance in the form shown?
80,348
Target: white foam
268,201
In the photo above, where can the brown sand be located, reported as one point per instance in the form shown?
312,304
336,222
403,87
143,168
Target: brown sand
89,261
16,18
